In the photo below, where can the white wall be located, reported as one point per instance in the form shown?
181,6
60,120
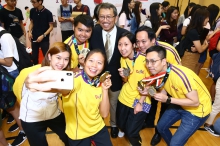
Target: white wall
52,5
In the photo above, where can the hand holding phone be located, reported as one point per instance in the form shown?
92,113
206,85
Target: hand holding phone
64,79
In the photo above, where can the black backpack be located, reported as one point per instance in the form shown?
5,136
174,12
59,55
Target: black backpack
24,58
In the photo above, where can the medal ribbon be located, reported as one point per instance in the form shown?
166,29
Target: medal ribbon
94,82
133,60
86,45
158,78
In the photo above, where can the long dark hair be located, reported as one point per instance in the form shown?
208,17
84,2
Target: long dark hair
213,10
136,12
154,18
187,9
198,19
170,10
126,10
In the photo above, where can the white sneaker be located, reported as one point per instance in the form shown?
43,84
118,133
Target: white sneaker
121,134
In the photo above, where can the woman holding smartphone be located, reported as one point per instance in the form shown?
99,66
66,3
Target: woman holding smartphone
86,104
130,116
40,110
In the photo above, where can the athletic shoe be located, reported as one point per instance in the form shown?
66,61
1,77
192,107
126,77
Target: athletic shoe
13,128
19,139
10,119
121,134
211,130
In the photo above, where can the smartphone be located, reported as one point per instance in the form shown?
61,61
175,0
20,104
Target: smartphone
64,79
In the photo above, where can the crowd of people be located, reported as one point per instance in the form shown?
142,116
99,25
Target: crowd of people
122,66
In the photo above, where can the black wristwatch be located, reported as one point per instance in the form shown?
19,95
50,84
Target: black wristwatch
168,100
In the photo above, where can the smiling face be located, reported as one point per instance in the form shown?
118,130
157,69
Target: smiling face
126,47
143,42
131,4
107,19
94,64
59,61
82,33
175,14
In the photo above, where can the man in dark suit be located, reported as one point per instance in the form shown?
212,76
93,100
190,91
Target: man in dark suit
107,14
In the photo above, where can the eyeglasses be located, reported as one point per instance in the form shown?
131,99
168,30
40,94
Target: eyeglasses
106,17
152,62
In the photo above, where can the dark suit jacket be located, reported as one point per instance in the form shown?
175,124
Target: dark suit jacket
96,42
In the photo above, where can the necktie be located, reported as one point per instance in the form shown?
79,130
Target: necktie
108,47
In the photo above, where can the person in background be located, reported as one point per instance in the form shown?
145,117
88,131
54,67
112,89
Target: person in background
125,15
166,6
108,33
187,20
27,14
81,7
12,20
95,16
64,13
216,126
136,20
170,35
39,31
192,44
185,14
9,51
155,19
40,110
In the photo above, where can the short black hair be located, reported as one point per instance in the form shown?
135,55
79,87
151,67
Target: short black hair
159,49
148,30
165,3
85,20
26,7
129,35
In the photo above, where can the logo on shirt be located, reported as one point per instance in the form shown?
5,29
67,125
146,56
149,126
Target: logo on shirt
140,71
98,96
175,88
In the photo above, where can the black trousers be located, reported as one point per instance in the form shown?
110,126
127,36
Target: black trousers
66,34
35,49
102,138
35,131
149,120
130,123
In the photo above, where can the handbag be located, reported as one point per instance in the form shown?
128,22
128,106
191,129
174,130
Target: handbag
7,97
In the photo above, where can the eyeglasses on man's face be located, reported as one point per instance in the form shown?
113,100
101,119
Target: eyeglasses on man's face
101,18
152,62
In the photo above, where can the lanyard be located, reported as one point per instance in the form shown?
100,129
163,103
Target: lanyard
94,82
157,78
133,60
76,45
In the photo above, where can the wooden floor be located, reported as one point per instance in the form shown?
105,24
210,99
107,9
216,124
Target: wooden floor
200,138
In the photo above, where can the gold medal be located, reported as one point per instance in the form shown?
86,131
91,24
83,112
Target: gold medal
103,76
140,85
151,91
